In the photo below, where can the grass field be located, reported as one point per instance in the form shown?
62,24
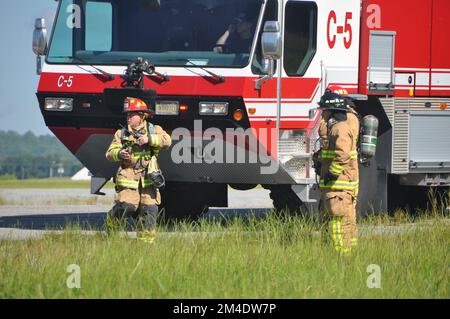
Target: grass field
265,258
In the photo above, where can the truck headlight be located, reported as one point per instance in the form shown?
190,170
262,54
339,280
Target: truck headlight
213,108
58,105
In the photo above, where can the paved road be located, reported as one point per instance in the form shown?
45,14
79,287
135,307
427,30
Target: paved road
34,210
25,200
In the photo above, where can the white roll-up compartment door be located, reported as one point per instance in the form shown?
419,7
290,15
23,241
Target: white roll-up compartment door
381,61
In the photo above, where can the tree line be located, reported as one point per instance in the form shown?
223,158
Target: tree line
29,156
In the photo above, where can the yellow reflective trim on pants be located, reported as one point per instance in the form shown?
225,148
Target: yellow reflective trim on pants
341,239
334,231
128,183
338,236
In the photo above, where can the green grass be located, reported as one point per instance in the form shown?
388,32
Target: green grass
268,258
48,183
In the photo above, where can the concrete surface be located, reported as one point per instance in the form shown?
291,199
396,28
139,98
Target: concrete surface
35,210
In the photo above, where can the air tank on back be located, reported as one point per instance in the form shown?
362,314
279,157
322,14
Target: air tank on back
369,136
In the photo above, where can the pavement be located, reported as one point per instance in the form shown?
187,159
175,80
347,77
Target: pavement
30,213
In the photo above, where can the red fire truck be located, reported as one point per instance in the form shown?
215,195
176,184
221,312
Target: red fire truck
237,83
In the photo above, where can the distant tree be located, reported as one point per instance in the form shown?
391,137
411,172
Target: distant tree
31,156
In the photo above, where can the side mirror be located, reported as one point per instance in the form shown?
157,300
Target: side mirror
267,66
271,40
39,42
40,37
271,50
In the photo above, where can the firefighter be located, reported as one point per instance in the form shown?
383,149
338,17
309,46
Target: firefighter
237,38
136,148
323,127
339,174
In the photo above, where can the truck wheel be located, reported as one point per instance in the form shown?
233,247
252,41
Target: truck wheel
243,187
285,200
414,199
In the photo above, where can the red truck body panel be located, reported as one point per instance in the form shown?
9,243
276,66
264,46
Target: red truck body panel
422,46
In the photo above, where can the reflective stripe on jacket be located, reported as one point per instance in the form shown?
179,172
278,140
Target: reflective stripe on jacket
340,157
131,173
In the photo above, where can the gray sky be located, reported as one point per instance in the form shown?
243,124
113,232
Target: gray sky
19,110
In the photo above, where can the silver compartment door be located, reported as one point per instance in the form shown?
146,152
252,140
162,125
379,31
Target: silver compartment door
381,61
429,142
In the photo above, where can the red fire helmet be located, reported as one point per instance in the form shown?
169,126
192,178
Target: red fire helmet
338,90
132,104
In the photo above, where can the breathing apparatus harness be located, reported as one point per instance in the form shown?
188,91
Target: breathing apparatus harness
155,176
339,106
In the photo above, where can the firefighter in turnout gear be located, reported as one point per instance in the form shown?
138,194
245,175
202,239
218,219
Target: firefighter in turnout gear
136,148
339,174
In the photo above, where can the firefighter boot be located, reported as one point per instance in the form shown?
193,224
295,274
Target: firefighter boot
147,216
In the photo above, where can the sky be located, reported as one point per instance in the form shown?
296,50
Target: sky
19,109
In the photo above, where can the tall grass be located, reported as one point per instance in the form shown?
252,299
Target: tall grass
242,258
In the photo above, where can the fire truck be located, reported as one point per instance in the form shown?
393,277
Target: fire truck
234,79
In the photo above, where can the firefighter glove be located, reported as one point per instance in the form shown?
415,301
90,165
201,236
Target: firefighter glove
317,164
329,177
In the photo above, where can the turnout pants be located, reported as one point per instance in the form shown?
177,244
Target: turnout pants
141,204
137,197
339,212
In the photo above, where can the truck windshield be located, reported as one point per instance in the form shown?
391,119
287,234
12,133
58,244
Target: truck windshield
206,33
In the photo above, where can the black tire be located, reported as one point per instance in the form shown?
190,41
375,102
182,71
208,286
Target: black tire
414,199
285,200
242,187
